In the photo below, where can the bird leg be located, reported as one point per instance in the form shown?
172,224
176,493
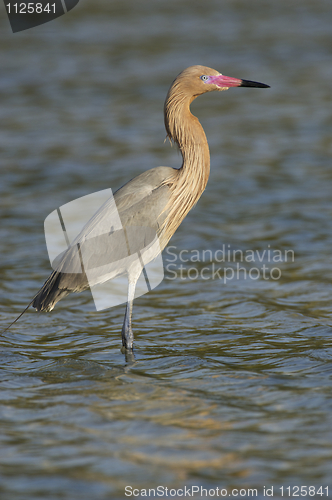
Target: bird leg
127,333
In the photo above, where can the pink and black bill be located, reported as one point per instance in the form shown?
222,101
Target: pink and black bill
223,81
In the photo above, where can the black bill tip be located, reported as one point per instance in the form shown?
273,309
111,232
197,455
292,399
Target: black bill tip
249,83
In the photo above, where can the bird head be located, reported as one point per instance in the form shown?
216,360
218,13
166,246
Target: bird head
189,84
198,80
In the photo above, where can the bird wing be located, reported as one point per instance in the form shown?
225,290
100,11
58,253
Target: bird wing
140,203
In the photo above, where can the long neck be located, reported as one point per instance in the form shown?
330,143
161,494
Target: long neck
190,180
185,130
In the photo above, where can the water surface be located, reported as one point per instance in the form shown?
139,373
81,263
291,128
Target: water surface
231,383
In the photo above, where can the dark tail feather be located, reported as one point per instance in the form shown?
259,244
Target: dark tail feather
50,293
46,298
57,286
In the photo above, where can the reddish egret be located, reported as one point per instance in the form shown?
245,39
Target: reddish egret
161,197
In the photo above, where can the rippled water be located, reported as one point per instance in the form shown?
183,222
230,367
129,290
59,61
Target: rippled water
231,382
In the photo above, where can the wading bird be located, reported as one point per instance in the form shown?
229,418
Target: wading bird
159,198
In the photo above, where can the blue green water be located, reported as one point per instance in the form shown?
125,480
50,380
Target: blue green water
231,382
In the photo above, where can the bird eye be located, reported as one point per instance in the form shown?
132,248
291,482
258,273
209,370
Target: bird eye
204,78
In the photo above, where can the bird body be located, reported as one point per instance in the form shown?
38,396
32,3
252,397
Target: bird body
140,203
159,198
